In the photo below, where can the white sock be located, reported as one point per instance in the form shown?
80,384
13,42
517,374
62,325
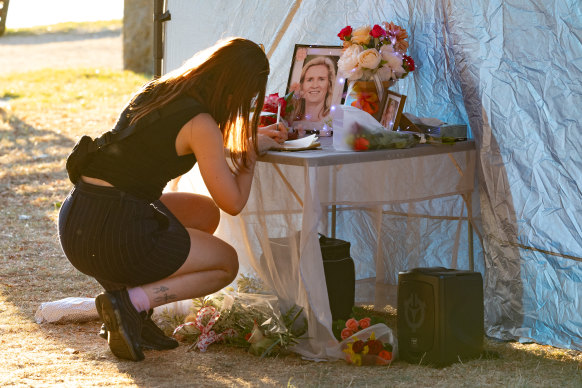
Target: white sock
138,297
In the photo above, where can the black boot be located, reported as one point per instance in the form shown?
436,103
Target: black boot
123,322
152,337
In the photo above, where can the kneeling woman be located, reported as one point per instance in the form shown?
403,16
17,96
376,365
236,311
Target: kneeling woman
147,248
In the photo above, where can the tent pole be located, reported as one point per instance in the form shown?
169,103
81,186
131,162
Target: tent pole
159,18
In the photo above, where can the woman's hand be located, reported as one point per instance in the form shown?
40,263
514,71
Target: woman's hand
266,143
276,132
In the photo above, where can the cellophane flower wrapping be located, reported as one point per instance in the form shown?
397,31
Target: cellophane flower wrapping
357,130
252,321
374,345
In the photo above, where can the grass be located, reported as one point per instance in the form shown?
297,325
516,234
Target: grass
42,114
66,28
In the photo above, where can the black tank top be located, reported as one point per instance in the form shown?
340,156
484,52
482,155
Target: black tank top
143,163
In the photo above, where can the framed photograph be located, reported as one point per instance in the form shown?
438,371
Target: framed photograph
392,110
314,80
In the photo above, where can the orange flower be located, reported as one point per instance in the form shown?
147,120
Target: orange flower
398,36
352,324
346,333
364,322
386,355
368,102
361,144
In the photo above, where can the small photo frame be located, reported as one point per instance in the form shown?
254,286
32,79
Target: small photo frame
314,79
392,110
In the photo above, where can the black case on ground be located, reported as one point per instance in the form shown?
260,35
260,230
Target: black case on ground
440,315
340,277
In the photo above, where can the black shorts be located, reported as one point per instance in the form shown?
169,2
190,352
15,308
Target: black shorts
118,239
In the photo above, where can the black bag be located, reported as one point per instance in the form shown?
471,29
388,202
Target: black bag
340,277
338,267
84,151
79,158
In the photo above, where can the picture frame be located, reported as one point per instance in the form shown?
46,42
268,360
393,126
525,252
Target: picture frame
392,109
314,59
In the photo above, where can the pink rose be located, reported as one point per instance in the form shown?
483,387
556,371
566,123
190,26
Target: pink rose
346,333
377,31
352,324
364,322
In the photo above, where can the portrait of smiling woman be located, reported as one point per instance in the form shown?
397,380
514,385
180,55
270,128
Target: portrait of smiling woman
315,89
313,80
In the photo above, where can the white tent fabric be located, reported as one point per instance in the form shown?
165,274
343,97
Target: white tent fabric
512,71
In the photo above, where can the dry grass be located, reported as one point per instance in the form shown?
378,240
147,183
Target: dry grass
48,111
68,27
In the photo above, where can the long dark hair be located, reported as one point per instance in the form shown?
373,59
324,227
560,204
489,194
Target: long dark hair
226,78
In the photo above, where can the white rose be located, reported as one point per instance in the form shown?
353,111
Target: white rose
385,73
369,58
393,60
349,59
386,51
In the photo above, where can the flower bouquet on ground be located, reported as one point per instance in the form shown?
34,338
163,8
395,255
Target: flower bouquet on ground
365,338
374,345
252,321
373,59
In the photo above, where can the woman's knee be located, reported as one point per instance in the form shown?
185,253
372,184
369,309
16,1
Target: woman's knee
231,264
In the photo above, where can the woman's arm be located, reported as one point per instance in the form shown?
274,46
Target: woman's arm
202,136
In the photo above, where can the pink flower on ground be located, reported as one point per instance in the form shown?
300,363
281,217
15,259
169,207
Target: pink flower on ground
364,322
352,324
346,333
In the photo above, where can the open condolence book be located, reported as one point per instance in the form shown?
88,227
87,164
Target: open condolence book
305,143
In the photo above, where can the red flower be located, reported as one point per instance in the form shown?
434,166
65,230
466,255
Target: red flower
409,63
364,322
377,31
361,144
346,333
247,336
272,101
374,346
386,355
358,346
345,33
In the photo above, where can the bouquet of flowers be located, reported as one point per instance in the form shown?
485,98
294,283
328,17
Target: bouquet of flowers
376,50
275,104
365,338
252,321
368,349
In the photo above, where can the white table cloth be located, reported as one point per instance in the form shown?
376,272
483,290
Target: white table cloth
356,195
